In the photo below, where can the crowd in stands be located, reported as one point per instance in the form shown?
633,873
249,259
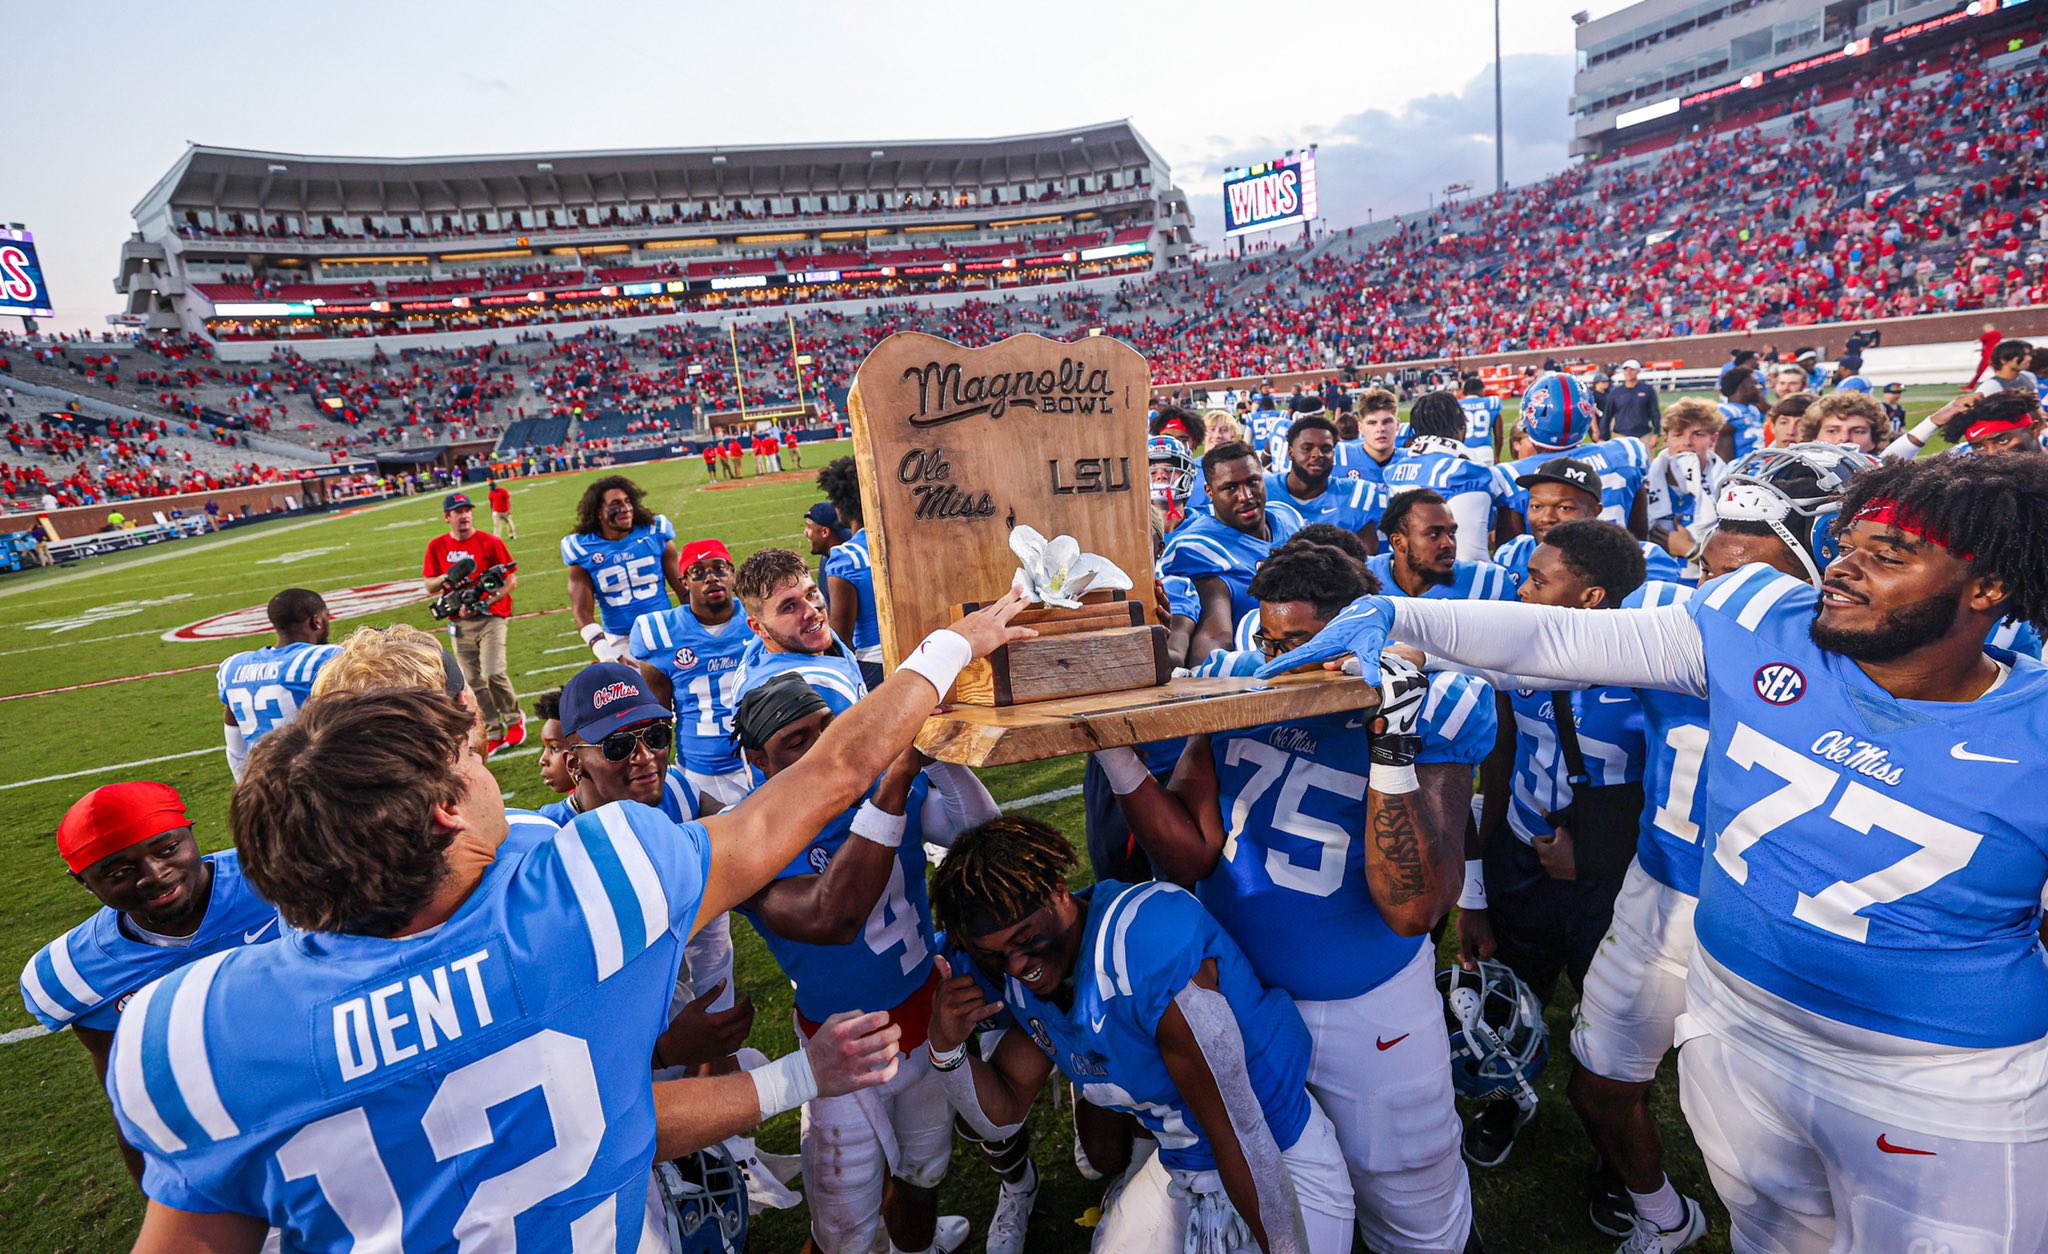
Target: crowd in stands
114,460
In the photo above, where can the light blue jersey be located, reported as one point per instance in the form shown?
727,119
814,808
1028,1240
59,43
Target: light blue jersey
264,688
679,801
85,977
1470,581
703,668
1459,718
1610,726
1352,504
893,956
2016,637
834,673
1206,548
1622,464
1141,945
1353,462
1874,861
1446,474
1746,425
1660,565
1669,843
1293,801
1482,415
850,561
626,572
482,1086
1181,598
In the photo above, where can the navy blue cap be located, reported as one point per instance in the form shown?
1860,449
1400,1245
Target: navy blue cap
823,514
456,500
604,697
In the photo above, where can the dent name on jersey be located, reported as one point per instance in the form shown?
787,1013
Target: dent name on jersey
417,1014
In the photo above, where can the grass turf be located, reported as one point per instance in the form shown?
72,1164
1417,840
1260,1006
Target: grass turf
63,1188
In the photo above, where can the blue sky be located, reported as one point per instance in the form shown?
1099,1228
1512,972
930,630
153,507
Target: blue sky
1399,94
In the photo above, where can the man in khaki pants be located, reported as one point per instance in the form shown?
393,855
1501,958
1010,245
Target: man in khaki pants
479,635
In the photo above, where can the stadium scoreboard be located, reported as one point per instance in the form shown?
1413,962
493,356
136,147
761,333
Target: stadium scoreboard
1269,195
22,290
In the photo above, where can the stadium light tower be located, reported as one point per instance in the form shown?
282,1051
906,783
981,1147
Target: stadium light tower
1500,158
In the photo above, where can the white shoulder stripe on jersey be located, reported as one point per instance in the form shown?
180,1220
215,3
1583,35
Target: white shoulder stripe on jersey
1760,604
191,1069
32,984
1453,723
128,1083
640,872
1214,552
1731,584
591,898
817,676
1112,966
67,972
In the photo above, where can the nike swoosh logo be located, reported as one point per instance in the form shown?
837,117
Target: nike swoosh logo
1386,1045
1096,1024
250,938
1889,1148
1962,754
1604,699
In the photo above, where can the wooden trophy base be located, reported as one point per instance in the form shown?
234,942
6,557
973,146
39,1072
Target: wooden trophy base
987,736
1104,646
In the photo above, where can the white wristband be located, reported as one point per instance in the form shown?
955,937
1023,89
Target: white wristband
872,822
1392,781
784,1084
1473,896
940,658
1124,769
591,631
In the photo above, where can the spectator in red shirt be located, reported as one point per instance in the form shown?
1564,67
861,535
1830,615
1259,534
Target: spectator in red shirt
1989,342
771,452
711,460
501,510
479,634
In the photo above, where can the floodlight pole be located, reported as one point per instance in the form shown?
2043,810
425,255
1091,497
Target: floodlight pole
1500,160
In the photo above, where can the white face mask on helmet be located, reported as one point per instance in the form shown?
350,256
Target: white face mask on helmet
1799,485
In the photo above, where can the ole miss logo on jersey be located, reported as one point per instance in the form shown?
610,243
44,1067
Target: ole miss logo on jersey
1780,683
612,692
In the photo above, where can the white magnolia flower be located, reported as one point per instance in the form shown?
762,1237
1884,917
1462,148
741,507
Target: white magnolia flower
1057,572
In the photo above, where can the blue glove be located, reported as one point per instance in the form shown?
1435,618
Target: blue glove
1360,631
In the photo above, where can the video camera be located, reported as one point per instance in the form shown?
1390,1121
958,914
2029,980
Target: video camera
468,590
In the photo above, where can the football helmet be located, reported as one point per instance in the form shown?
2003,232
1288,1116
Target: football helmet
1796,491
1558,411
1499,1041
1172,469
704,1199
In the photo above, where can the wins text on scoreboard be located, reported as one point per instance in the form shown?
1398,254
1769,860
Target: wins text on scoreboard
1274,194
22,291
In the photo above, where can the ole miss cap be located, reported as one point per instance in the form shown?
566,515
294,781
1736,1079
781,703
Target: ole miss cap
604,697
1566,470
456,500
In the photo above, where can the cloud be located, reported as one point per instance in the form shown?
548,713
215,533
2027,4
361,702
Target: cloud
1391,160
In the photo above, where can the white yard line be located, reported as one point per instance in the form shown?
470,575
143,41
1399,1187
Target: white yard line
112,766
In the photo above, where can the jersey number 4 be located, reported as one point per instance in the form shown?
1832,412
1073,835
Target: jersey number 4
1944,848
341,1155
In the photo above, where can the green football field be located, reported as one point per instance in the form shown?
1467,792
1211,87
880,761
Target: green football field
90,693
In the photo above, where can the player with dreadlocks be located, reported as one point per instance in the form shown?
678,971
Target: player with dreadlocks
1866,1027
1147,1005
618,559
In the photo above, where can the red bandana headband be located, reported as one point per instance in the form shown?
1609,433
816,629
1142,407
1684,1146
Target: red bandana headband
1997,426
1887,512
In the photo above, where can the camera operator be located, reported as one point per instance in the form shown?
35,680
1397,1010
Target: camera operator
479,627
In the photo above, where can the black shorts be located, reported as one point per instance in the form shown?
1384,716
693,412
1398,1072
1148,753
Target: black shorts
1544,927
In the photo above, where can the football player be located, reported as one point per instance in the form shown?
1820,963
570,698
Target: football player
1218,551
1173,470
163,905
1549,898
263,689
786,613
1379,423
1742,398
1280,837
1422,553
1441,459
1557,416
1680,485
849,923
1560,490
455,1042
2008,422
618,558
1482,419
1139,997
694,650
1866,1024
1305,485
848,573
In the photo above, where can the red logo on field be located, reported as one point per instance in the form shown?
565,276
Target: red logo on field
1386,1044
1779,683
342,602
1889,1148
612,692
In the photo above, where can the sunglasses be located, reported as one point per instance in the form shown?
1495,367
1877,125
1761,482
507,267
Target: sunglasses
618,746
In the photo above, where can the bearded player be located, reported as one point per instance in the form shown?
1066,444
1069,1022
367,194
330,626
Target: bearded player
618,559
1866,1026
690,658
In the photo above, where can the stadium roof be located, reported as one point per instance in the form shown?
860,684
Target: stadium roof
244,179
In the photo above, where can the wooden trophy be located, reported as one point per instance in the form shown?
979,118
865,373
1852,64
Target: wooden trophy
958,448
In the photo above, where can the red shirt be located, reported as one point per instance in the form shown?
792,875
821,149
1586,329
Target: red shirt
710,453
487,549
501,501
770,446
